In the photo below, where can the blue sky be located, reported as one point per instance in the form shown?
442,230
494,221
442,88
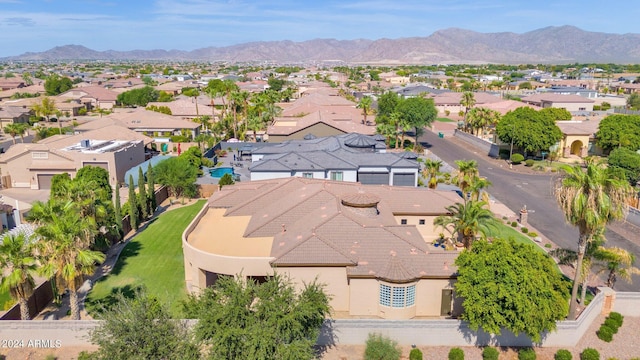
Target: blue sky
38,25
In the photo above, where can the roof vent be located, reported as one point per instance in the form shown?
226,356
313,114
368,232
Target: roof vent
362,204
85,143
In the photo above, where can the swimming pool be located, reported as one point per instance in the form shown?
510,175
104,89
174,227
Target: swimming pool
218,172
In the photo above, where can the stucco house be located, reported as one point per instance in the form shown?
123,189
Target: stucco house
91,96
14,114
32,165
578,138
351,157
370,245
570,103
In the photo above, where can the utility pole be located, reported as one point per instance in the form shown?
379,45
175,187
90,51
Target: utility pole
511,149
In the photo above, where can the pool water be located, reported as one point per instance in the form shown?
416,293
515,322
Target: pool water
218,172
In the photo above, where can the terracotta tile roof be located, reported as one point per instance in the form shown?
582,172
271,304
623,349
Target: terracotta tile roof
311,226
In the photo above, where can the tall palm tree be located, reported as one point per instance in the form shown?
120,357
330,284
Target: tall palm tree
387,130
617,263
481,117
467,220
12,130
432,172
590,199
19,267
65,241
466,175
365,105
255,124
468,100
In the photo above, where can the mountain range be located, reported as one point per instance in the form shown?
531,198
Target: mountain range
563,44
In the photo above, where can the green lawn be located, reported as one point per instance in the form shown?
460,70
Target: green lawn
506,231
444,120
153,259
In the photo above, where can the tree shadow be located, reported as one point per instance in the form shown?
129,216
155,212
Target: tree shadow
326,339
482,338
106,303
130,250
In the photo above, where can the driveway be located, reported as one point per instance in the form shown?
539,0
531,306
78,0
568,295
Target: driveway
536,192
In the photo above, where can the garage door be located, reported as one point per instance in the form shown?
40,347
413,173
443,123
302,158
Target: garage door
44,181
103,165
408,179
374,178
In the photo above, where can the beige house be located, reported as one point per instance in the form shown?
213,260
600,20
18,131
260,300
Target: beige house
370,245
322,113
568,102
14,114
32,165
578,138
91,96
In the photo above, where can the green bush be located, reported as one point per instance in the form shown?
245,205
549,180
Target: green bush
526,354
179,139
617,317
517,158
381,348
415,354
514,224
490,353
611,323
503,154
533,234
605,333
524,230
529,162
563,354
548,246
590,354
456,354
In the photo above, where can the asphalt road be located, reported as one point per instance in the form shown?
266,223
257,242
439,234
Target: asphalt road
536,192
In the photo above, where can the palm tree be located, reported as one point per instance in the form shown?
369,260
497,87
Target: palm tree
387,130
432,170
467,175
19,267
590,199
65,243
618,263
482,117
12,130
467,220
365,105
468,101
476,189
194,93
255,124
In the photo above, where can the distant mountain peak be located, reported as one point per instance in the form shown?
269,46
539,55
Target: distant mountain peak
552,44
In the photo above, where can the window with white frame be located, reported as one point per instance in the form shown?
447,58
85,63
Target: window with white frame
336,175
39,155
397,296
307,175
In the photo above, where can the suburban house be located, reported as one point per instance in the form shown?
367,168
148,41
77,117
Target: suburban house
578,138
321,113
570,103
351,157
14,114
572,90
155,125
11,83
188,108
372,246
33,89
92,96
32,165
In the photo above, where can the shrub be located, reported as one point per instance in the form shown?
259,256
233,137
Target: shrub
490,353
514,224
456,354
617,317
50,357
548,246
533,234
605,333
611,323
529,162
563,354
538,167
517,158
381,348
589,354
524,230
179,139
526,354
503,154
415,354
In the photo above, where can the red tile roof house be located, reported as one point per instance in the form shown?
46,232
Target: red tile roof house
370,244
93,96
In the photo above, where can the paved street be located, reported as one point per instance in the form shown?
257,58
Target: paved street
534,191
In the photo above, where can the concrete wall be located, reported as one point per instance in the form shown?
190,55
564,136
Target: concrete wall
491,148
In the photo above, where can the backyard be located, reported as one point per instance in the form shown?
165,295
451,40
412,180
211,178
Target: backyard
153,258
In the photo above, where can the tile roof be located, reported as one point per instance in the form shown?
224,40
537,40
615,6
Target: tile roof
311,226
552,97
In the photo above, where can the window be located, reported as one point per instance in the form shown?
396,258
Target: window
403,221
307,175
421,222
385,295
582,109
397,296
336,175
39,155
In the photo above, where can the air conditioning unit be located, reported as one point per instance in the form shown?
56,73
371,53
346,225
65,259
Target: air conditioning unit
85,143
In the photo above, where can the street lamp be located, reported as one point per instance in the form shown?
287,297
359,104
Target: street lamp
511,148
